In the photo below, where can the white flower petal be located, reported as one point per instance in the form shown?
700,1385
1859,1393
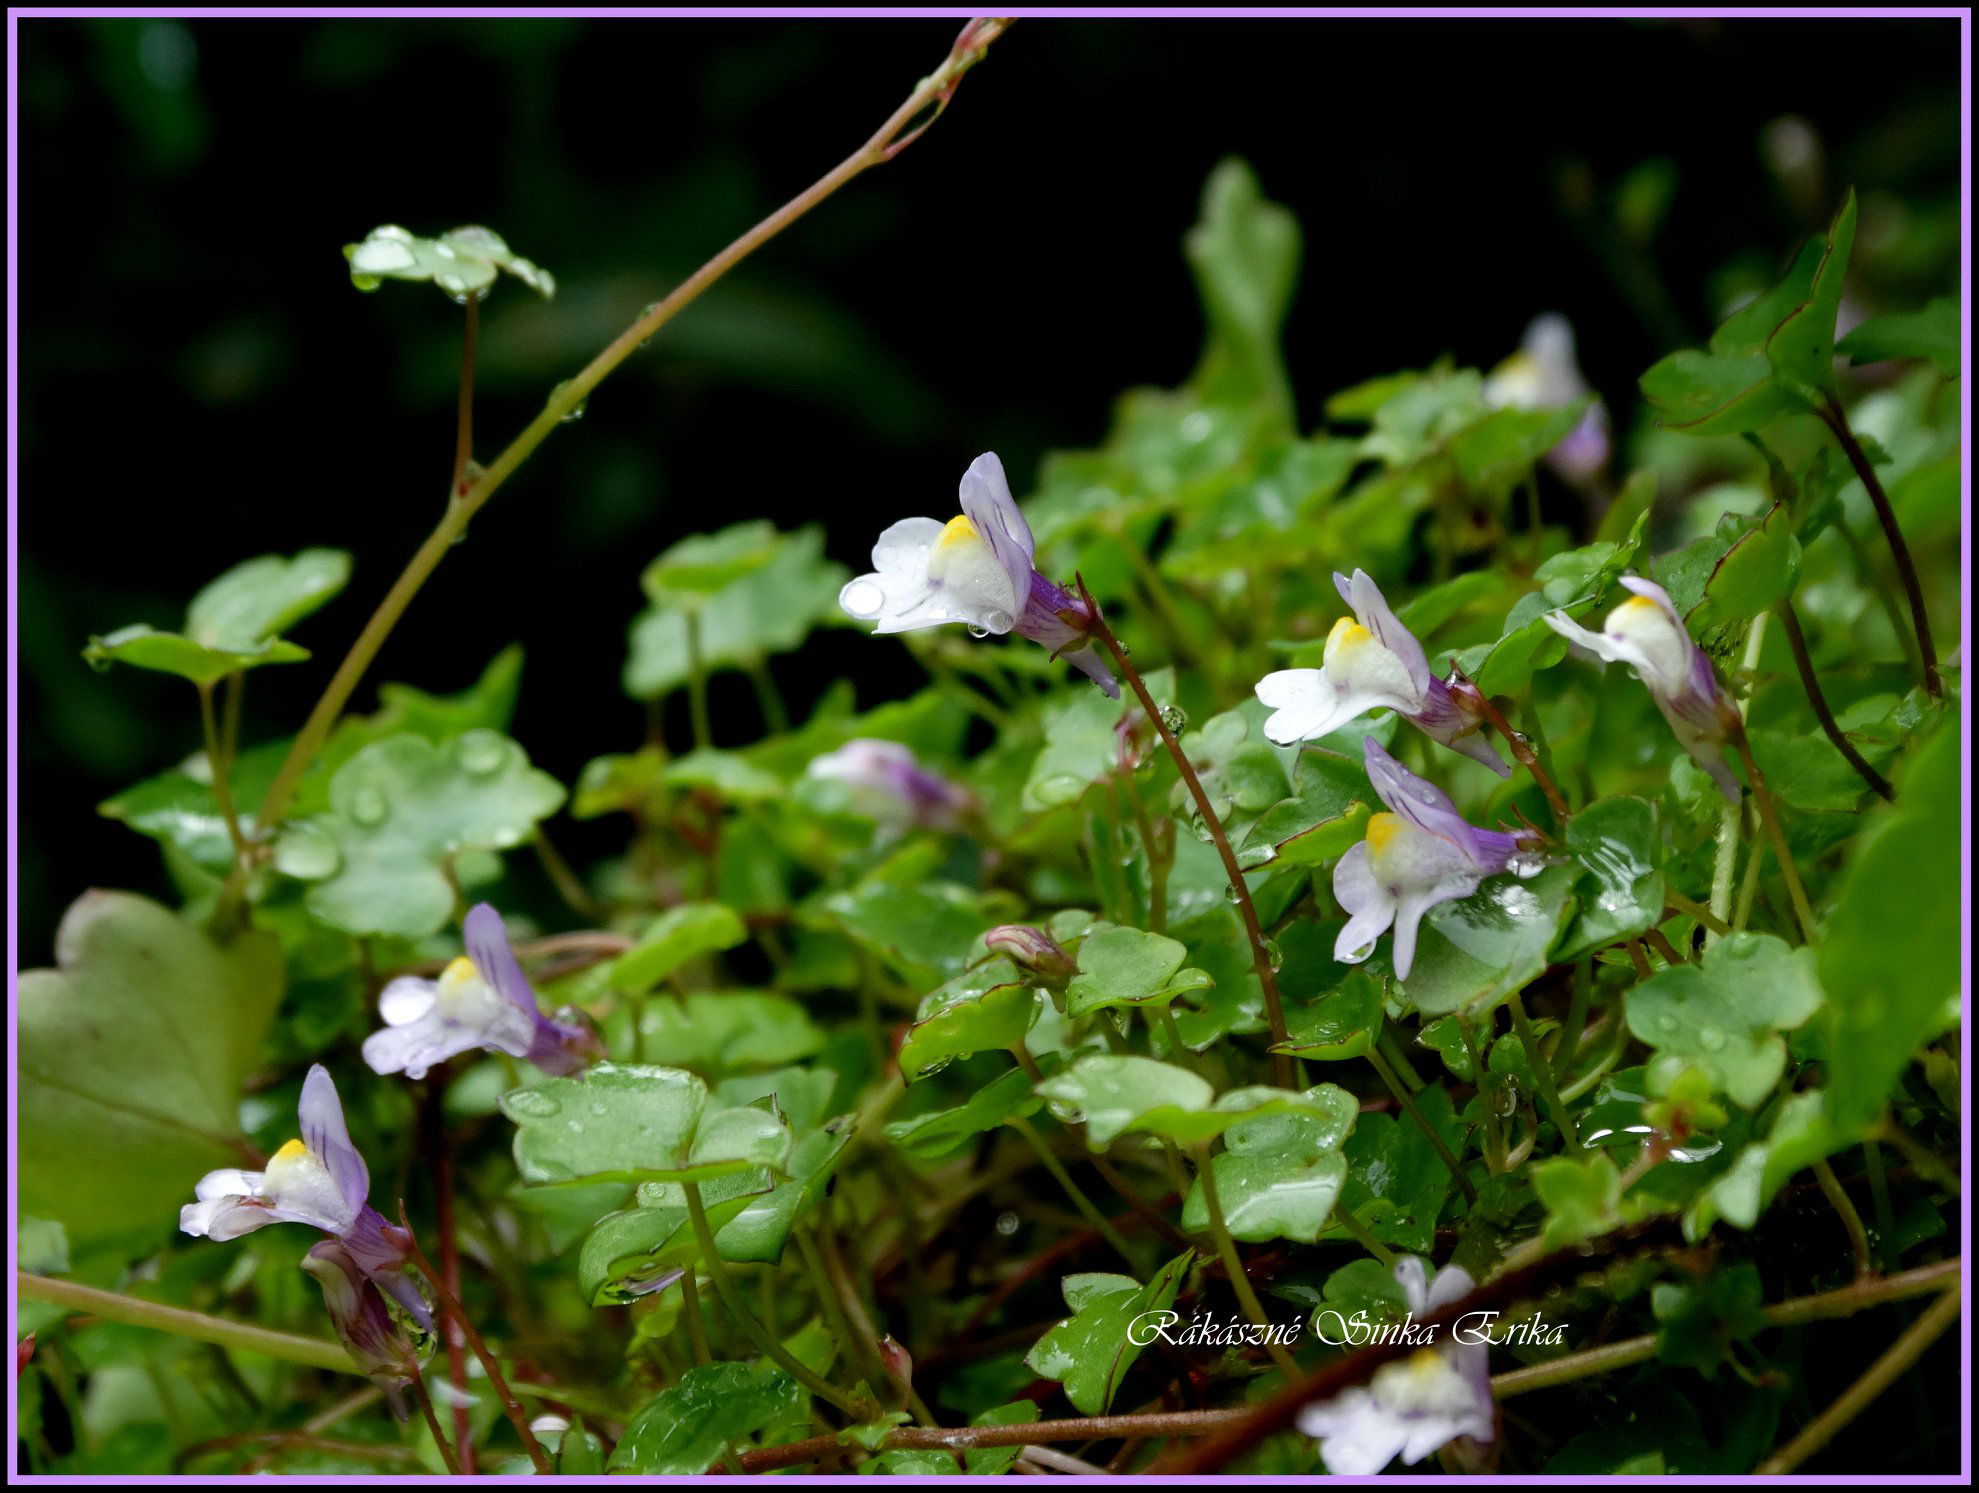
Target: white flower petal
407,999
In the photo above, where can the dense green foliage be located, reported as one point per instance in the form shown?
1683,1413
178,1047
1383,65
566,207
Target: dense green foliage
943,1177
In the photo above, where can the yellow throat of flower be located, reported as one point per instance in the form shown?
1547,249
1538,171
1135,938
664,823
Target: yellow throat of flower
1381,832
455,981
1347,637
958,531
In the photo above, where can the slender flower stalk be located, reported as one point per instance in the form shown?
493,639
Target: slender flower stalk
1261,959
1811,682
1836,419
1233,1265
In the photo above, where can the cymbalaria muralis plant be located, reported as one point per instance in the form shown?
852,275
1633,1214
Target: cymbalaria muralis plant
1022,1075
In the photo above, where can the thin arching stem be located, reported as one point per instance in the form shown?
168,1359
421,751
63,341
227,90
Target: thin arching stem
932,94
1836,419
1233,1266
1769,816
1811,682
1274,1009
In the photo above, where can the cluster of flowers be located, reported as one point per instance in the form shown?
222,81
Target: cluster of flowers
979,569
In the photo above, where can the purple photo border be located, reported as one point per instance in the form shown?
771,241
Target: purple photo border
950,12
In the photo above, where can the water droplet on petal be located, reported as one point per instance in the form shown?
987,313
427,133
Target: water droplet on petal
863,597
998,622
978,632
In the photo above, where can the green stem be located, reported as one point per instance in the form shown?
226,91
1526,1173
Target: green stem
1723,869
931,94
1487,1095
829,1291
1769,816
1570,1034
1358,1232
1274,1009
1233,1266
1436,1142
1085,1205
704,1237
216,762
1859,1396
1542,1075
776,719
315,1353
1157,860
697,1327
697,682
1858,1236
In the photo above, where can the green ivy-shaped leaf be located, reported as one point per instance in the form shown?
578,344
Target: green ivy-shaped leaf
1930,333
678,936
637,1124
1324,819
987,1008
684,1430
1724,1014
747,607
1340,1024
132,1052
1699,1320
1474,952
940,1132
1890,960
461,261
1115,1094
235,622
1279,1175
1801,1134
1129,967
719,1031
1754,575
926,928
1091,1351
1615,844
399,811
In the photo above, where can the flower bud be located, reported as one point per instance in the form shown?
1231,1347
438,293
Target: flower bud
1035,952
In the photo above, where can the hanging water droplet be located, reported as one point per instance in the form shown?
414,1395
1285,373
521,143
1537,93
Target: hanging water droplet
999,622
480,753
368,808
1008,1224
1201,826
1274,955
1232,895
978,632
1174,717
576,411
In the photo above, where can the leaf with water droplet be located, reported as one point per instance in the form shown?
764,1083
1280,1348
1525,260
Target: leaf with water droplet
685,1429
1619,892
401,808
984,1009
1724,1014
462,261
1129,967
657,1126
1279,1175
1477,950
1091,1351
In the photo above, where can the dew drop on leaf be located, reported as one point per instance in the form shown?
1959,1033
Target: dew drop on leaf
368,808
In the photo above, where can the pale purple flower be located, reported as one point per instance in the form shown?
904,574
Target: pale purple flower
363,1322
1422,853
319,1180
1646,633
978,569
1417,1404
482,999
1373,662
889,785
1544,375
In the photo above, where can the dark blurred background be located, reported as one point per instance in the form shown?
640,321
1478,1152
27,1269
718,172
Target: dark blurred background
200,383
